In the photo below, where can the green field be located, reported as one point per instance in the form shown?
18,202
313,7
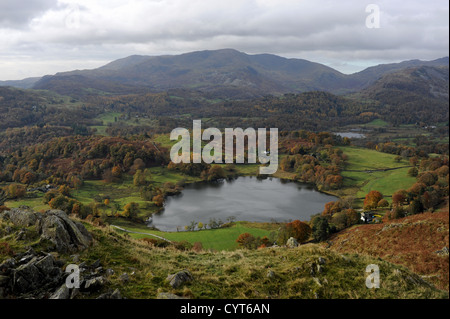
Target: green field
217,239
361,174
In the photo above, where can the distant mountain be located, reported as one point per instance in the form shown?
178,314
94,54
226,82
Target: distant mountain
21,84
223,73
420,93
371,74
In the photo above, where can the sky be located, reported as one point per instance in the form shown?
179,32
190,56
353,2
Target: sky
39,37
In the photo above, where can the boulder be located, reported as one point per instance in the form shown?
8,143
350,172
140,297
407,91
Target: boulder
94,284
54,225
20,217
292,242
62,293
124,278
63,232
178,279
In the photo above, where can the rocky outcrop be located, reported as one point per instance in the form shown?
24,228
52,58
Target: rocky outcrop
54,225
34,275
30,275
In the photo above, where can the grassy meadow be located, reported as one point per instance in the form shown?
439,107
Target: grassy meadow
365,171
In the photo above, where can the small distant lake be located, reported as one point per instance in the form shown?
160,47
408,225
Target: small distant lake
246,198
351,135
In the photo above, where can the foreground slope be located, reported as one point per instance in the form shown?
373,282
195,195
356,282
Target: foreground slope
419,242
139,270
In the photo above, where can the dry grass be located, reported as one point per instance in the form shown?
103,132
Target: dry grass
412,242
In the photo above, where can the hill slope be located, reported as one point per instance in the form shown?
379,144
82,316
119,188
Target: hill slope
307,272
414,242
419,93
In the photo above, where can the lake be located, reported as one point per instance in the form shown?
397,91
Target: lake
246,198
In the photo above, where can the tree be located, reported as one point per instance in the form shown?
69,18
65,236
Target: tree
372,199
320,228
131,210
247,240
200,225
413,171
64,190
399,197
299,230
158,200
139,178
416,207
116,171
215,172
76,210
383,203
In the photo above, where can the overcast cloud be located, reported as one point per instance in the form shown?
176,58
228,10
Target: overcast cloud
41,37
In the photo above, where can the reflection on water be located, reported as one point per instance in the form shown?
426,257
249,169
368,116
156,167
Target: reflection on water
245,198
351,135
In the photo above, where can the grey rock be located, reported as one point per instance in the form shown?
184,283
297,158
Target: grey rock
62,232
62,293
20,217
111,295
443,252
116,294
312,269
322,261
292,242
317,281
46,264
178,279
96,264
270,274
95,283
75,292
7,265
109,272
54,225
124,278
30,273
319,269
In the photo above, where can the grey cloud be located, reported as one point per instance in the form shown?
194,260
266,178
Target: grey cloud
17,13
320,31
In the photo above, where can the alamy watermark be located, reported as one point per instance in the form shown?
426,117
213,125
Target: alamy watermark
73,280
373,19
234,140
373,279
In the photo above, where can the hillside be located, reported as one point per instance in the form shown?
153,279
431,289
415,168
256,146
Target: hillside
419,93
416,242
136,269
223,73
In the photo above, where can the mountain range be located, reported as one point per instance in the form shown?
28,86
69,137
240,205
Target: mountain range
225,73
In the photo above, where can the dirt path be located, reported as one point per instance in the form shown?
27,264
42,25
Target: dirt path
135,232
375,169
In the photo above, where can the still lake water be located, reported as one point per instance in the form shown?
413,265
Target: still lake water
246,198
351,135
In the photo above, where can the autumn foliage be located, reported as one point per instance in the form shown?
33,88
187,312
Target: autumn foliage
372,199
